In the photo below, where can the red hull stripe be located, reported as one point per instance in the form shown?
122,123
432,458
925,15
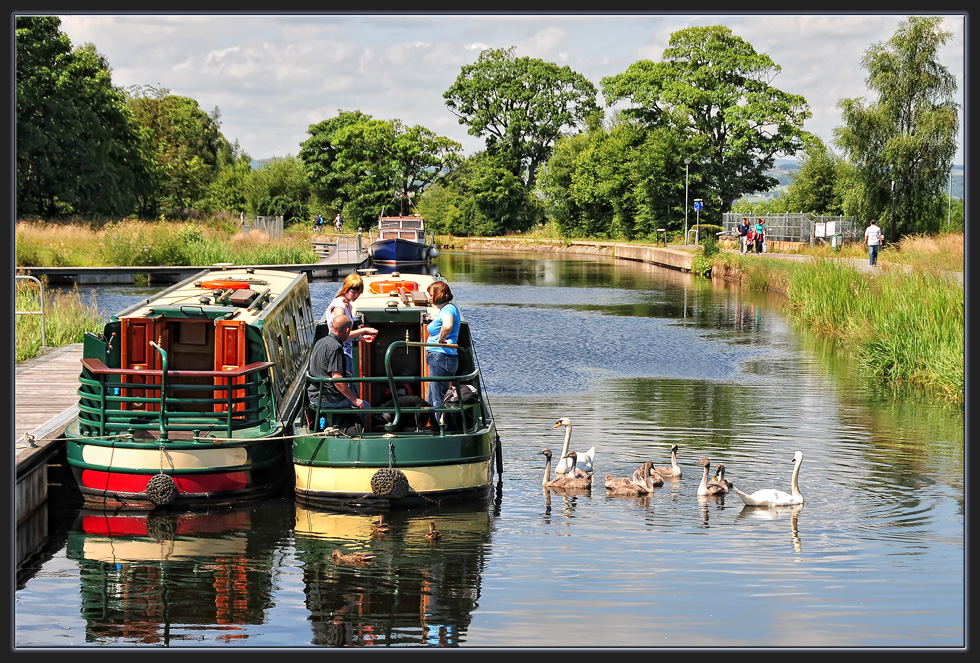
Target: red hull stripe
115,482
130,525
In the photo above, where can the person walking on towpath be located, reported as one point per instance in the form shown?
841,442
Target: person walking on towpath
874,238
743,235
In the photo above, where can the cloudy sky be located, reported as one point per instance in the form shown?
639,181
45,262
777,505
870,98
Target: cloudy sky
273,75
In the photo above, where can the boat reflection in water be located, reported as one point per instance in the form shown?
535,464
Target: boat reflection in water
414,592
157,577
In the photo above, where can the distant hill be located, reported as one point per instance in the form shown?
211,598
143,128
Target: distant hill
784,170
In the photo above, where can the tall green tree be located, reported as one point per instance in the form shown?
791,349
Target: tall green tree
228,190
186,144
358,164
279,188
903,143
814,188
713,88
521,106
480,197
78,152
617,183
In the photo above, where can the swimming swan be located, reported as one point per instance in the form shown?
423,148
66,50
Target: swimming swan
773,497
562,482
575,478
563,465
633,489
672,471
635,479
706,487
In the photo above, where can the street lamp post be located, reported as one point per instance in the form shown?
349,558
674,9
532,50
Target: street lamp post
894,225
687,162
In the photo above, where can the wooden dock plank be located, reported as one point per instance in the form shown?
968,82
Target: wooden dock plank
45,387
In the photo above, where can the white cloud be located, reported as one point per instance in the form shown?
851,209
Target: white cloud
272,76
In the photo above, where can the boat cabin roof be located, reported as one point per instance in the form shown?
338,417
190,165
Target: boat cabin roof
395,289
405,222
241,293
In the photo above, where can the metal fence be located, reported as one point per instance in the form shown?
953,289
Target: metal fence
270,225
799,227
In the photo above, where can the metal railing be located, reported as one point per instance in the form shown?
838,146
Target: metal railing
40,287
120,400
470,424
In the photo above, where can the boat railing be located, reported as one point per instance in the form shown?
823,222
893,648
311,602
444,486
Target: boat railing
189,403
469,413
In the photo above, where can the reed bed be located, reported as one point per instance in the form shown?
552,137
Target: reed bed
139,243
902,327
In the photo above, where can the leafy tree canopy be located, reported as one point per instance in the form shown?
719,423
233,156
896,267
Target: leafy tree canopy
714,89
77,149
903,143
186,144
521,106
357,164
279,188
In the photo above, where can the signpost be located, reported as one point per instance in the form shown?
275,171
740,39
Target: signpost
697,222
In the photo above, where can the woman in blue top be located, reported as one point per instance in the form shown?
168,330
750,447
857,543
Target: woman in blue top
760,235
443,329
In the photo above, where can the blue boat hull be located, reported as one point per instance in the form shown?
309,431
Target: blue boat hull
401,251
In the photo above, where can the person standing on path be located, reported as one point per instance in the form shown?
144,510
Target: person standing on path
760,235
874,238
743,235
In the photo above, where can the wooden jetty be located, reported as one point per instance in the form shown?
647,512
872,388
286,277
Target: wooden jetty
45,403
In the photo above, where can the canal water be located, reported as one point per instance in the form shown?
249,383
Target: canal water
639,358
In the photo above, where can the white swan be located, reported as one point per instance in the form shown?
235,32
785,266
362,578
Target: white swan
712,487
562,481
563,464
773,497
672,471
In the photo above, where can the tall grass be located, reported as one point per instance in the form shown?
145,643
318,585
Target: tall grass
138,243
66,319
903,327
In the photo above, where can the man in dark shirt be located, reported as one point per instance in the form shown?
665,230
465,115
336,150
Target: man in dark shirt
743,235
327,360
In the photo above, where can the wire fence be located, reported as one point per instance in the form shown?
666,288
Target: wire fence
272,226
800,227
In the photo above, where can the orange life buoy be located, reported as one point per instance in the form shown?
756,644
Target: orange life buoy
384,287
225,284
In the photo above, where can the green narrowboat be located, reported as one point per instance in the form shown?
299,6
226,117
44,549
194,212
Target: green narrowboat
406,453
188,398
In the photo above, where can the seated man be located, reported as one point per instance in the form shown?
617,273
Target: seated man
327,360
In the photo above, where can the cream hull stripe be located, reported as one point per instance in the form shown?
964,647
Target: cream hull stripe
224,458
424,479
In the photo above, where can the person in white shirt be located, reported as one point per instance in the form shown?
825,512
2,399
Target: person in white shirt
874,238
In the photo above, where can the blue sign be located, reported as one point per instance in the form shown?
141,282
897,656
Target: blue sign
697,205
